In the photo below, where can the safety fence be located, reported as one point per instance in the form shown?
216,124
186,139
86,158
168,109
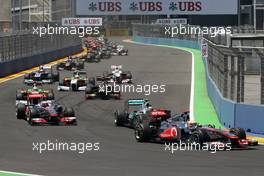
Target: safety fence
20,50
25,43
237,72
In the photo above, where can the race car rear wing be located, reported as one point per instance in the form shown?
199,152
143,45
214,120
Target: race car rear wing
135,102
113,67
46,67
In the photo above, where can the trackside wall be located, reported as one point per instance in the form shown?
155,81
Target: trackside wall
20,64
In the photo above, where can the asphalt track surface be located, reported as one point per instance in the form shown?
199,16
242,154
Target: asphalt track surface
119,152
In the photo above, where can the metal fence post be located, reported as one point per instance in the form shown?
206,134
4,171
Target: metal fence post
262,79
238,80
232,75
242,78
225,91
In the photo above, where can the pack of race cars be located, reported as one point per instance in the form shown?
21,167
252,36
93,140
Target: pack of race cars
158,125
38,106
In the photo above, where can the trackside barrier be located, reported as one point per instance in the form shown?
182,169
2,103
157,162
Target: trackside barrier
167,41
117,32
230,114
20,64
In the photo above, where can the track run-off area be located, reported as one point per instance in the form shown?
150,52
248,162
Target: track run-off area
120,153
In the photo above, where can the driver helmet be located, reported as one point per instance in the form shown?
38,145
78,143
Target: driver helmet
41,68
148,106
77,76
35,87
69,58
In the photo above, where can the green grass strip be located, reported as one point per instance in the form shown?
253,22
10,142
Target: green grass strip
12,174
204,112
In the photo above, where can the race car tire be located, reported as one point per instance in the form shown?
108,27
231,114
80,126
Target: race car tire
97,60
92,81
50,96
69,112
128,74
108,56
143,133
61,83
21,111
240,132
19,96
88,91
33,114
252,143
56,77
81,65
78,66
58,67
27,76
49,76
120,118
118,96
105,97
199,137
89,88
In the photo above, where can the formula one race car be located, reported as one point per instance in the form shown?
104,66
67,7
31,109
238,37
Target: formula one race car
93,56
119,50
133,110
38,111
101,89
71,64
236,137
116,76
75,83
178,128
23,94
106,53
44,75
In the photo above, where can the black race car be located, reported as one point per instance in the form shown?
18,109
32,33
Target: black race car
178,128
106,53
101,89
133,111
93,55
71,65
